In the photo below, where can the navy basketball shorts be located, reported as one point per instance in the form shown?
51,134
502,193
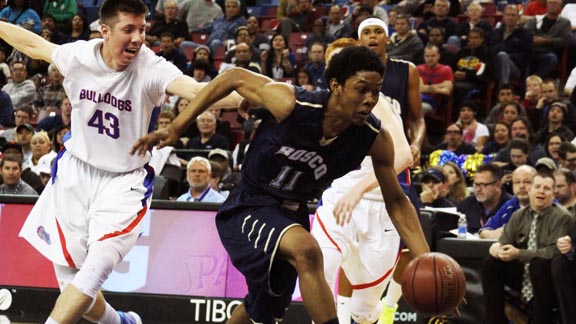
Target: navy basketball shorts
251,237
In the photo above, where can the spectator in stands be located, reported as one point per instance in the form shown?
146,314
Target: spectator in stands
505,94
257,39
204,54
6,111
23,137
301,21
50,95
278,62
522,179
49,23
21,90
441,19
377,10
457,189
510,111
511,44
319,34
208,138
518,156
521,128
532,95
11,167
453,141
435,188
436,80
564,276
229,178
58,137
241,148
159,9
336,25
317,64
63,11
474,67
169,51
169,24
242,58
487,199
565,189
437,36
242,36
198,173
22,115
4,68
27,175
552,146
474,14
567,154
474,132
79,29
556,117
550,95
224,27
304,79
18,12
545,165
199,15
515,263
551,34
50,123
41,151
404,44
287,8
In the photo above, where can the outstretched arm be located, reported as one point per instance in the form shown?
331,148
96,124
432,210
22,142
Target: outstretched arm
27,42
401,211
260,90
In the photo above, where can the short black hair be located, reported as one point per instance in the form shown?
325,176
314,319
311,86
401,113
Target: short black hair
519,144
495,170
111,8
352,60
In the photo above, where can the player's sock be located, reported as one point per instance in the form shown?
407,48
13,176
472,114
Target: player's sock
393,294
343,309
110,316
50,321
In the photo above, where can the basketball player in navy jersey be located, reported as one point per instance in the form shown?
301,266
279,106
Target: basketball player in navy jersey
307,140
401,82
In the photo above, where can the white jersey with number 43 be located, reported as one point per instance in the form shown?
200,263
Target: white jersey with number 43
111,109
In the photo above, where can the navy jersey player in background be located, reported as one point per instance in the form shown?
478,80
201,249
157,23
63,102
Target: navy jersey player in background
308,140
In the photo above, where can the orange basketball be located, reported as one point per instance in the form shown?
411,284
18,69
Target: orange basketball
434,284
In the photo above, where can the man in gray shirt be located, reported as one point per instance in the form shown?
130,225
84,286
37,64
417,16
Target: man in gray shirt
11,166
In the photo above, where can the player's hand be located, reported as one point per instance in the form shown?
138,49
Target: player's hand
161,138
415,155
345,206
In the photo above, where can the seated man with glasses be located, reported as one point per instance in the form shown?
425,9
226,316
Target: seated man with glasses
488,197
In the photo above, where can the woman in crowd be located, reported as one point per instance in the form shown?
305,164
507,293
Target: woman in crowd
304,79
498,138
457,190
278,63
79,29
41,150
510,112
552,145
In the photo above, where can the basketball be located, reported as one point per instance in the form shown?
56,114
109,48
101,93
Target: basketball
433,284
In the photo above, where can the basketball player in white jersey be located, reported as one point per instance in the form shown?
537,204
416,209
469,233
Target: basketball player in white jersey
353,227
89,216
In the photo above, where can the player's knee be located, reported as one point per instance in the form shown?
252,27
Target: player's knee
309,256
99,263
363,312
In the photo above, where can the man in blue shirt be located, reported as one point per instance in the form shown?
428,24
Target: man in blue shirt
198,175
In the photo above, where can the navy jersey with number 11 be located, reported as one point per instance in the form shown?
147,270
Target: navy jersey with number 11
292,160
